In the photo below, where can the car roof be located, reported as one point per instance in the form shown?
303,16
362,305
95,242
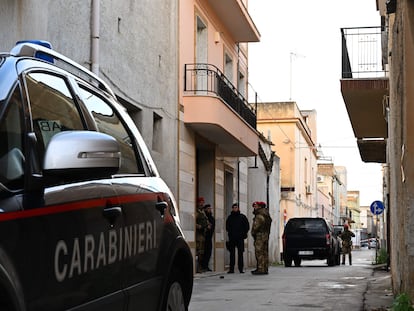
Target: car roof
307,218
40,52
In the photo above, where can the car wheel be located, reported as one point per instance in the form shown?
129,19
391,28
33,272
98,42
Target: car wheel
174,294
175,299
288,261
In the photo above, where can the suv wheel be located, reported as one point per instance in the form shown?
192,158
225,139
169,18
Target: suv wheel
331,260
288,260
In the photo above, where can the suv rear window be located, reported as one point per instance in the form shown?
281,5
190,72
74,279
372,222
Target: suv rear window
305,225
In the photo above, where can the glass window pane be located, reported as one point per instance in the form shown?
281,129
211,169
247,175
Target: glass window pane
109,123
52,105
11,144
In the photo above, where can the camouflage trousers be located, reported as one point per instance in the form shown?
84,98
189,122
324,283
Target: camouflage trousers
349,257
200,245
261,249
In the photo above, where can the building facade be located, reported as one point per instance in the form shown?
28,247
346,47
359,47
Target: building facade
329,187
380,105
293,133
218,139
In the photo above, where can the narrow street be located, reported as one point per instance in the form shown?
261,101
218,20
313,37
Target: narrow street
313,286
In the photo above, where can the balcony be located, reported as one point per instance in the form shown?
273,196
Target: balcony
239,23
215,109
365,90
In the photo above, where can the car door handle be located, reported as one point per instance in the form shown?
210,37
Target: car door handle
112,213
161,207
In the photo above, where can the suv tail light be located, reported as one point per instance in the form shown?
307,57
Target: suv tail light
328,239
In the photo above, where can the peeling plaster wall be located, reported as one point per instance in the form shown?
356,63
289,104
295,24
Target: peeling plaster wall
401,149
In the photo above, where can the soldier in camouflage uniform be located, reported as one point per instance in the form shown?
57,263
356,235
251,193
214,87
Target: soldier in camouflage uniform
346,237
201,228
260,232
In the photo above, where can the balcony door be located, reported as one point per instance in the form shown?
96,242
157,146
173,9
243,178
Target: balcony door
201,56
228,201
205,166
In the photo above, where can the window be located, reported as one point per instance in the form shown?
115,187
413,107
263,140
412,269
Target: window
241,84
52,106
201,40
157,133
109,123
228,67
11,144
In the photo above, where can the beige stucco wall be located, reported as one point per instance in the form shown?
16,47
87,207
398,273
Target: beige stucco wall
293,135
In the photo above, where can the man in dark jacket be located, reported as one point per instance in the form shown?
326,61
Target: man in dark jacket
260,232
237,227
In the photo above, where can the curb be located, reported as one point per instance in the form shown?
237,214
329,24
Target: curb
379,295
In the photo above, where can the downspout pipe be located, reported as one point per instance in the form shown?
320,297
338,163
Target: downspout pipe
95,37
238,181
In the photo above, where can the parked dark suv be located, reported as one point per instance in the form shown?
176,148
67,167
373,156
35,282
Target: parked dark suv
86,223
309,239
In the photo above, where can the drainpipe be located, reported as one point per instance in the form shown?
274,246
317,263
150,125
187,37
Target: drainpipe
95,37
267,188
238,181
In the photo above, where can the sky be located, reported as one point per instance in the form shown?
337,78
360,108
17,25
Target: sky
299,58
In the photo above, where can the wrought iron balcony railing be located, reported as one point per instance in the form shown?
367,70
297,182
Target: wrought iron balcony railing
205,79
362,53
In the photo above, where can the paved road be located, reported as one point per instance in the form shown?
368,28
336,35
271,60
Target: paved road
313,286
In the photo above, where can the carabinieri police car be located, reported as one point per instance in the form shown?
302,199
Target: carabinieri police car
86,223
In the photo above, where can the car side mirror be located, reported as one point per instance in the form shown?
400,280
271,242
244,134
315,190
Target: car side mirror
78,154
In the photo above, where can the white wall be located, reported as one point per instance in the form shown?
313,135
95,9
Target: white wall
257,191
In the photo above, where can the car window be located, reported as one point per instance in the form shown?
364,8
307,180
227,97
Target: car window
109,123
52,105
11,143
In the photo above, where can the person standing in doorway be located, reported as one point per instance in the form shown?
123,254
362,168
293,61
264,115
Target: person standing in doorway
260,233
201,228
208,244
346,237
237,227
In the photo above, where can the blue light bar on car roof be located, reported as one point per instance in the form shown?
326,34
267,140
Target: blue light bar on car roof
40,54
